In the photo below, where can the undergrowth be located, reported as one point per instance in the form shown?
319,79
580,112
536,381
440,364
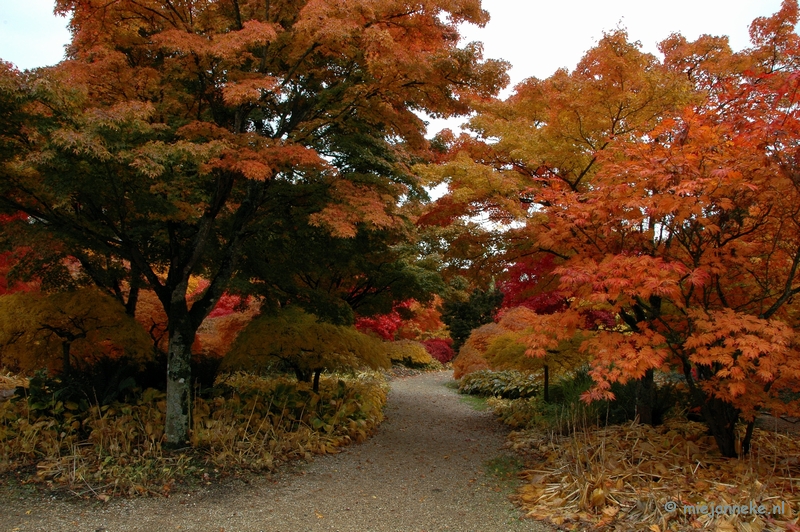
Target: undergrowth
508,384
515,397
244,423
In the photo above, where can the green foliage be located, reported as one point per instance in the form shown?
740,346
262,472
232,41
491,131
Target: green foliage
296,341
508,384
329,276
567,412
410,353
506,352
462,316
246,422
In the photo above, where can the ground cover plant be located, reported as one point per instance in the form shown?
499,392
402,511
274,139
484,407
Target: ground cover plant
244,423
507,384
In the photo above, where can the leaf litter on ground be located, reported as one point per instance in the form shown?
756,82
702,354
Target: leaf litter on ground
622,478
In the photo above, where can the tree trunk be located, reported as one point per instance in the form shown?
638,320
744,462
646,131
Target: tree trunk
720,418
546,383
65,358
179,372
317,373
646,398
748,437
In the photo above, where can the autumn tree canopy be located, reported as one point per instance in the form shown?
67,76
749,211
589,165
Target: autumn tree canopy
161,139
663,194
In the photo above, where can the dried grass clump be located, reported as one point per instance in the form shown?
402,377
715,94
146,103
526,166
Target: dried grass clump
622,477
9,381
251,423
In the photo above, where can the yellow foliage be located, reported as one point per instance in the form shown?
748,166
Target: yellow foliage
254,424
409,353
501,346
297,340
36,328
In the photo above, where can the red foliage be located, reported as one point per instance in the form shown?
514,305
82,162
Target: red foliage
227,304
9,258
530,283
443,212
384,325
439,348
408,320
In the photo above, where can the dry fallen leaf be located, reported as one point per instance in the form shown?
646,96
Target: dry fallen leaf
621,478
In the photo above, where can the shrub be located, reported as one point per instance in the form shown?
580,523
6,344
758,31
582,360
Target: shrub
244,422
507,384
297,341
409,353
566,412
440,349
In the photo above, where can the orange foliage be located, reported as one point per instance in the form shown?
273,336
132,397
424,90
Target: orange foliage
668,192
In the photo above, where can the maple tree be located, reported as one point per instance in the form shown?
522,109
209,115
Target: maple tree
502,345
67,331
299,342
408,320
666,195
160,141
440,348
293,262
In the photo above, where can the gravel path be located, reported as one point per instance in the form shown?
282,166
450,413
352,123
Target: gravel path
424,470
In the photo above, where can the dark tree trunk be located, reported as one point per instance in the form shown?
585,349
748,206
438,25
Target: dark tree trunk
316,380
748,437
720,418
546,383
646,398
179,372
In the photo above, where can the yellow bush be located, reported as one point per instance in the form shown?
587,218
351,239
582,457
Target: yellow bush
295,340
409,353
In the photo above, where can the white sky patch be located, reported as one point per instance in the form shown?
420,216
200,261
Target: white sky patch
30,34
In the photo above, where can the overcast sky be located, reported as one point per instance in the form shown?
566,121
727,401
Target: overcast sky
536,37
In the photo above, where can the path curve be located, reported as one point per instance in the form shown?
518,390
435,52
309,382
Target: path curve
424,470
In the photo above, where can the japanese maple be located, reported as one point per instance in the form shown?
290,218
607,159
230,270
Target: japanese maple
158,141
667,195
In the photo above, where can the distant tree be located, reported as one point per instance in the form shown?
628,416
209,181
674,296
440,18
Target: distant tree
462,316
501,346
